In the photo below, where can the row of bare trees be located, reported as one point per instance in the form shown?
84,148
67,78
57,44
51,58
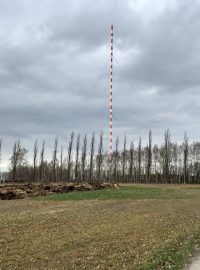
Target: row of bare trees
87,161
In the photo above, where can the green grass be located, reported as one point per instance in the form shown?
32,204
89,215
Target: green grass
175,256
133,192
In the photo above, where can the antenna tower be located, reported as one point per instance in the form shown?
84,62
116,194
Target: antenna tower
111,87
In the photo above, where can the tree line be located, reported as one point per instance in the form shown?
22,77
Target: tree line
87,160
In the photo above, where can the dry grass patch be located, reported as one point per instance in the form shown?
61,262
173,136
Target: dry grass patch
94,234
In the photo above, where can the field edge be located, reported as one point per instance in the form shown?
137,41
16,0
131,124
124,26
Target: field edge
176,256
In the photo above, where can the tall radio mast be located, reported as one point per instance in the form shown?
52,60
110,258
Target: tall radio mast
111,87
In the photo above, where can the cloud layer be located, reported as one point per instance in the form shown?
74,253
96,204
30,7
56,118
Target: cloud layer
54,68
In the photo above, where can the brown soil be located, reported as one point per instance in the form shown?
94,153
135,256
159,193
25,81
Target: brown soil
21,191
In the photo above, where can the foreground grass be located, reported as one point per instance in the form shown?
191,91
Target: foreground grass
156,228
174,256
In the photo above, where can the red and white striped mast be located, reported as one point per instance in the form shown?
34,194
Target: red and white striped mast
111,87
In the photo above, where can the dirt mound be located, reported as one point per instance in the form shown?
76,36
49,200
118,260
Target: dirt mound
8,194
21,191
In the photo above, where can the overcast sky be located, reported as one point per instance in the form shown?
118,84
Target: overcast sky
54,68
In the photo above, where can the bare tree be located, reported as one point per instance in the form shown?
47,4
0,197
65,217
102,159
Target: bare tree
131,160
195,152
83,157
61,163
185,152
91,157
14,159
18,158
175,162
0,153
69,163
166,156
139,159
55,159
35,152
116,160
99,157
156,157
77,156
124,161
41,173
149,157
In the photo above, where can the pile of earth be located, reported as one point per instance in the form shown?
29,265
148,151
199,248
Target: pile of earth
21,191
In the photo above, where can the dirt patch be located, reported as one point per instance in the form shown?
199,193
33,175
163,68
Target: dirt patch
21,191
195,265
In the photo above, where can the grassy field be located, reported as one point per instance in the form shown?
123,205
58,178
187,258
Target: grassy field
144,227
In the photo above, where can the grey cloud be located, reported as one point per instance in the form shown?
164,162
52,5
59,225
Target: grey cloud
169,49
54,68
